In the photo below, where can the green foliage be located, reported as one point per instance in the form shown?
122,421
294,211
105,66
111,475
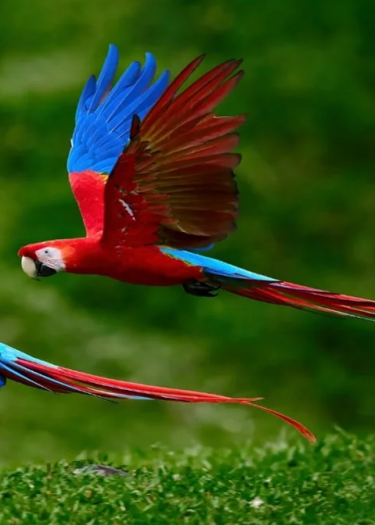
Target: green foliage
331,483
307,215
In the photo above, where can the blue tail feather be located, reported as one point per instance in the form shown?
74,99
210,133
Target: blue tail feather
214,267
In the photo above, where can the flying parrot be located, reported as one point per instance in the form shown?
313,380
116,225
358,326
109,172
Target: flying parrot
33,372
151,167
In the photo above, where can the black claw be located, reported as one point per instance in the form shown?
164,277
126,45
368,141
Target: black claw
200,289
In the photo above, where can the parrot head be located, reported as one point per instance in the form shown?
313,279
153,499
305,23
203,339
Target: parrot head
42,259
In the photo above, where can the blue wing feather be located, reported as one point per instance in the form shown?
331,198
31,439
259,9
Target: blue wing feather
106,77
104,114
142,104
136,90
87,92
120,90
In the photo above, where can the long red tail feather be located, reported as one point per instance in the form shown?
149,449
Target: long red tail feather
64,380
305,298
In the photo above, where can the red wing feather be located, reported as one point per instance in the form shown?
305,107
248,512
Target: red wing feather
174,184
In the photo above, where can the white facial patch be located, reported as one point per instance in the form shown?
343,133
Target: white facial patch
28,266
51,257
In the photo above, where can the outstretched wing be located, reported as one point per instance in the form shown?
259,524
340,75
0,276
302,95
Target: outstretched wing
174,184
102,125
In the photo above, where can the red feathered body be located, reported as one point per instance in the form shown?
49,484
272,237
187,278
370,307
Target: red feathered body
145,265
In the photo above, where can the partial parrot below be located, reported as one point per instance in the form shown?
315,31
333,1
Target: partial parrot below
151,166
28,370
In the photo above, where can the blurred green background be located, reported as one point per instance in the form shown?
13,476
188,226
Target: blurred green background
307,215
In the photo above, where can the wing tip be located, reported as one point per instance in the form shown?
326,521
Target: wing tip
194,64
112,48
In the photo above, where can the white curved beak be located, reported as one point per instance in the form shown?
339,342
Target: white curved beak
28,266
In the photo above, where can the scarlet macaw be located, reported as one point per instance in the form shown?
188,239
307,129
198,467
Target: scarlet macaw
152,172
33,372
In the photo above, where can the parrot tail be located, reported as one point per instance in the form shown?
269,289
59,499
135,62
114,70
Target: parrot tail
25,369
218,274
305,298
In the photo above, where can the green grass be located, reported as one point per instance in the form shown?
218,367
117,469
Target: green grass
332,482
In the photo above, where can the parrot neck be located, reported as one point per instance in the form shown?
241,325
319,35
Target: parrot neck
83,255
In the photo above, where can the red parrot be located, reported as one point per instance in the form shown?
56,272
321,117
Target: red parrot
33,372
151,167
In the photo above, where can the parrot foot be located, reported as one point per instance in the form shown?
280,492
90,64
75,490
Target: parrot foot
200,288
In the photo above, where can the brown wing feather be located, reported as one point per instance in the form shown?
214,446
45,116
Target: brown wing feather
183,169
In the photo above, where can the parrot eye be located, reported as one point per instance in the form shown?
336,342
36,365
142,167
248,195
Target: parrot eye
46,251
